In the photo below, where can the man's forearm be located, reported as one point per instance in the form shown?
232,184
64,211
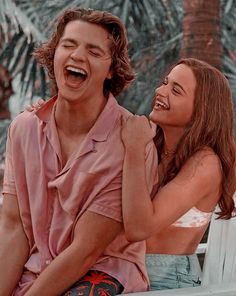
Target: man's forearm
79,257
63,272
14,251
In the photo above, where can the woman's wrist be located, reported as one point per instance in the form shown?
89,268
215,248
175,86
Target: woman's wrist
135,154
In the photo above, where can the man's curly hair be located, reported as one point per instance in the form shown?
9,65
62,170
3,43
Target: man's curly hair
121,68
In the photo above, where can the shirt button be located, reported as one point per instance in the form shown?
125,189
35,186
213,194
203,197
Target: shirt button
48,262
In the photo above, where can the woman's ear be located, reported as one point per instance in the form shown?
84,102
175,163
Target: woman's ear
110,74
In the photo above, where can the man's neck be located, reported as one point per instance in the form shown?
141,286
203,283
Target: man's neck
77,118
74,121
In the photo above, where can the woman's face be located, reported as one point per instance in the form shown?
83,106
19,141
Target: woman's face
174,98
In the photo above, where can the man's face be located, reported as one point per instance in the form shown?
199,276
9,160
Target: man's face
82,61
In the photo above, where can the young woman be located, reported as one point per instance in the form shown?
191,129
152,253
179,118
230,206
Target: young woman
192,123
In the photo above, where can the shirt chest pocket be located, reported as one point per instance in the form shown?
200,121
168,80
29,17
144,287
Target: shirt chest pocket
74,189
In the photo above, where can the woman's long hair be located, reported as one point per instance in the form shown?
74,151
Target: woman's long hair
211,125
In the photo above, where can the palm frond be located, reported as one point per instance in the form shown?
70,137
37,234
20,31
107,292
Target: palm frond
18,19
22,46
154,30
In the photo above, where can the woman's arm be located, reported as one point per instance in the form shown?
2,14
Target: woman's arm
192,186
136,133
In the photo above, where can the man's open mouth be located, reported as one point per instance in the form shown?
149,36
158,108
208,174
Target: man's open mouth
75,75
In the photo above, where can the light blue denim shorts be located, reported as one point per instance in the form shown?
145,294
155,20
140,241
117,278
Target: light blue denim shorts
173,271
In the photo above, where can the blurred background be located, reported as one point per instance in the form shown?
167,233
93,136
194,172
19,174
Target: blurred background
159,33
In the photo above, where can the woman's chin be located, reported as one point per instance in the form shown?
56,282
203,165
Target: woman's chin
152,117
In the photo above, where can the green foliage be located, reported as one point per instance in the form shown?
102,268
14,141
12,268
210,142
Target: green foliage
154,30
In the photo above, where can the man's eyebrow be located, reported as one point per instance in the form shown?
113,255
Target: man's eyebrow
94,46
89,45
68,40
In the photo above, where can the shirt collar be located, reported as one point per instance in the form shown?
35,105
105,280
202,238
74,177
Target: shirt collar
106,121
103,125
45,112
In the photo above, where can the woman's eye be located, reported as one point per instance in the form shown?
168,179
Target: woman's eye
164,82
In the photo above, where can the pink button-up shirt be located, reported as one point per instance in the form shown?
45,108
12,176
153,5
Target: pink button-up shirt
51,197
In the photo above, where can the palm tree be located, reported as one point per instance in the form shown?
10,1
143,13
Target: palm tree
154,30
202,31
209,34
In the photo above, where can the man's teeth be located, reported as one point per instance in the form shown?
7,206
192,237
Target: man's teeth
76,70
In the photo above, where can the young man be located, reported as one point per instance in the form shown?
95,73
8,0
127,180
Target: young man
61,230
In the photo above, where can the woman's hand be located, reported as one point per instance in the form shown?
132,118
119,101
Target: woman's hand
35,106
137,132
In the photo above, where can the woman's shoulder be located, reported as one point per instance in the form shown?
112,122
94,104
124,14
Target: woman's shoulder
209,174
204,164
205,157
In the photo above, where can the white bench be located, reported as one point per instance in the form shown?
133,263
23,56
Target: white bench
223,289
202,249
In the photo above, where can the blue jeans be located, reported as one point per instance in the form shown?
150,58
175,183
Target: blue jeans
172,271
